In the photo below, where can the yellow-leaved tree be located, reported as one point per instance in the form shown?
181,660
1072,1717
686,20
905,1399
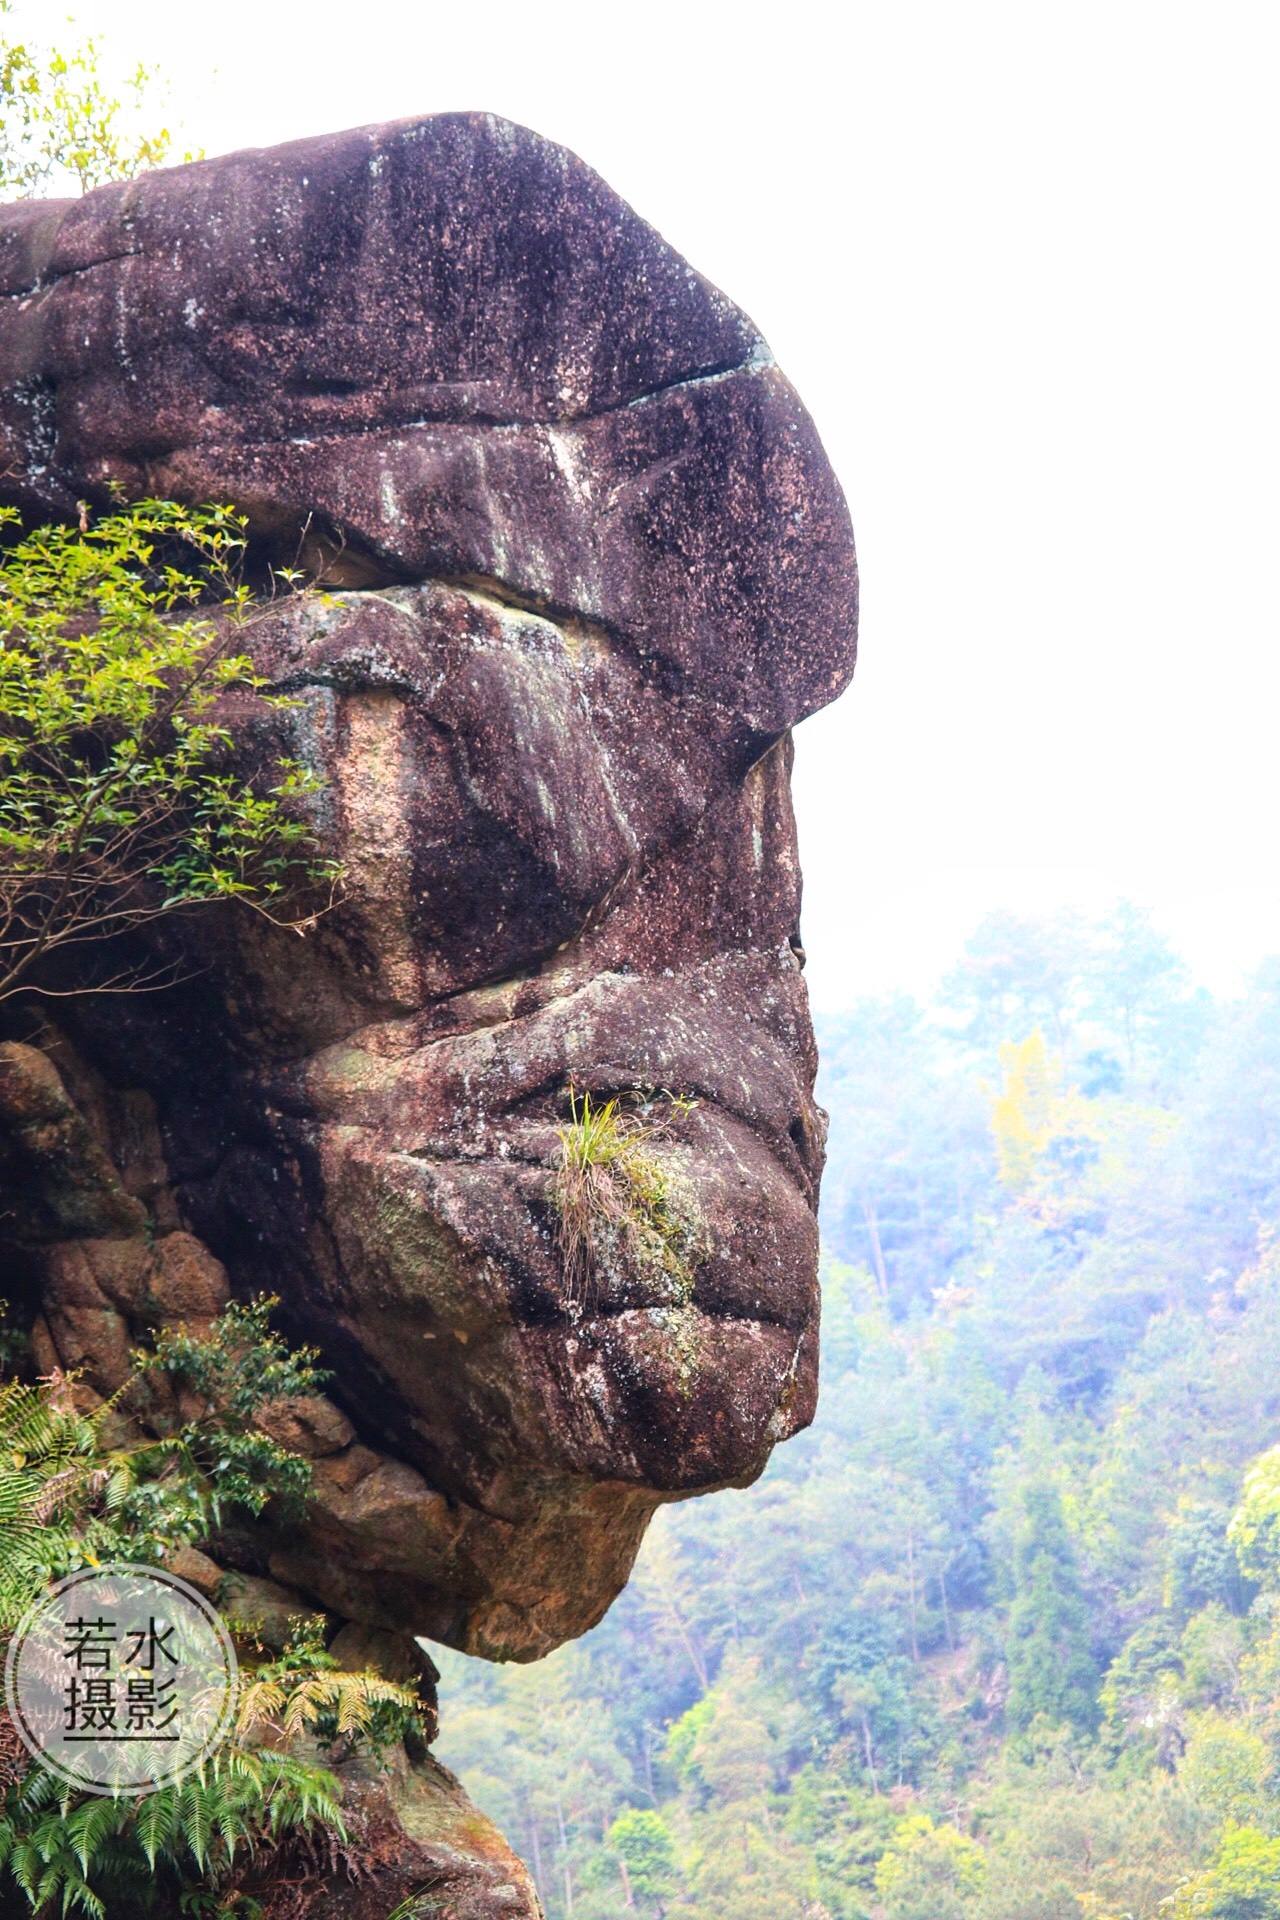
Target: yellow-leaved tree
62,126
1022,1116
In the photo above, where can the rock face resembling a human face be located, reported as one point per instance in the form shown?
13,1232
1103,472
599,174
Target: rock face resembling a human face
590,566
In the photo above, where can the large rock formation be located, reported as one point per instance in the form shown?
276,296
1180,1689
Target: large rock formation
591,566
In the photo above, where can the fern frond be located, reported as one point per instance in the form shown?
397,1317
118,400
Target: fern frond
195,1819
157,1818
260,1701
89,1825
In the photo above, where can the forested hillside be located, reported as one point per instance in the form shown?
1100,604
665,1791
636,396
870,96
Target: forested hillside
1000,1637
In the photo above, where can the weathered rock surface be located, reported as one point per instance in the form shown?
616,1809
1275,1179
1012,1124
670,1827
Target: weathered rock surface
411,1832
593,567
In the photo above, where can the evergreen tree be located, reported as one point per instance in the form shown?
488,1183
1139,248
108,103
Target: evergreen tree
1052,1671
646,1853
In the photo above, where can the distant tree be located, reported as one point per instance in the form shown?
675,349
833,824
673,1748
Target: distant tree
873,1693
911,1160
646,1852
684,1738
1016,974
1200,1564
1215,1653
845,1830
1140,1695
1065,1844
1254,1530
730,1752
60,124
1228,1768
1052,1672
1022,1113
1135,982
666,1590
929,1871
1111,995
1046,1135
1228,1172
745,1867
741,1864
1243,1882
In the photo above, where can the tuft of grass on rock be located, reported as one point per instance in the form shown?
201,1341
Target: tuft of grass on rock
622,1206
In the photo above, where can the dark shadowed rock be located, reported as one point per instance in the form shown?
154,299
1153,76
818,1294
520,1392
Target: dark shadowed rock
593,568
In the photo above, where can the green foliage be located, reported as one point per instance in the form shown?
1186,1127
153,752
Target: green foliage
684,1738
1110,995
102,1857
60,124
1254,1531
117,807
928,1870
1201,1567
1052,1672
643,1843
237,1366
71,1493
71,1496
1143,1694
620,1199
199,1839
1064,1841
304,1690
59,1490
1242,1884
871,1689
844,1832
1229,1769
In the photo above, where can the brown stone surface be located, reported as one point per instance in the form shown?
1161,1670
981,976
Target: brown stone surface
198,1570
263,1610
187,1283
594,567
55,1173
410,1831
306,1423
396,1656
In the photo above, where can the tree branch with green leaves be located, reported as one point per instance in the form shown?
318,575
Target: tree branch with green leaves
119,805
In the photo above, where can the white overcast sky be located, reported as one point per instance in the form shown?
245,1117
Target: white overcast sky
1021,262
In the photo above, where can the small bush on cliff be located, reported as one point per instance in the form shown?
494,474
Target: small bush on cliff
105,1857
117,805
304,1691
80,1485
619,1203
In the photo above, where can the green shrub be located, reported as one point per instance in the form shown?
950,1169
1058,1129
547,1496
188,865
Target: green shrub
117,802
70,1497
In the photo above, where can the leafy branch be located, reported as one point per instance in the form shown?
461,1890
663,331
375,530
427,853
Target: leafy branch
118,806
58,121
